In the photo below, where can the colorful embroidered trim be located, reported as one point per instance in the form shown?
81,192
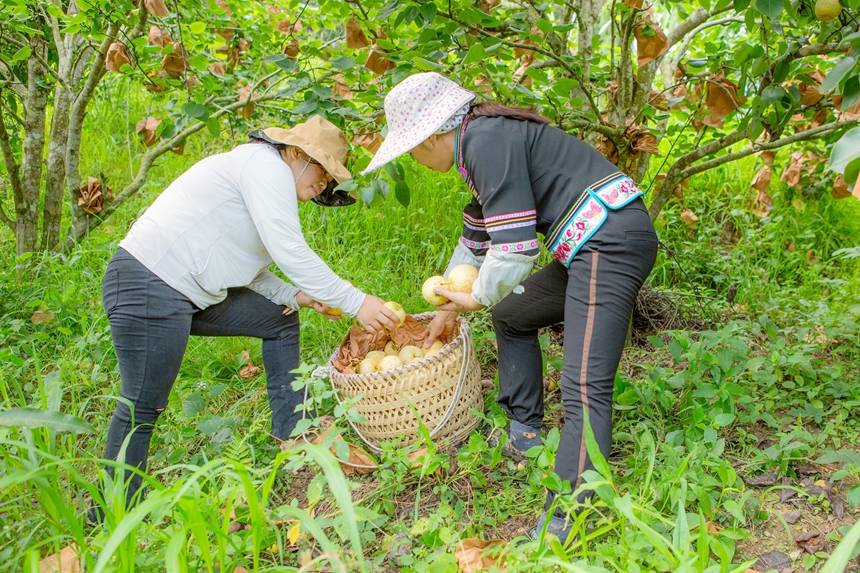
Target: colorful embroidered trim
588,214
604,187
518,247
475,245
519,225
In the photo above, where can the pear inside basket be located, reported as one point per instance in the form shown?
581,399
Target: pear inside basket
363,352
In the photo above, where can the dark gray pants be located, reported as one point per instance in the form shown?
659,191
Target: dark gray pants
150,323
594,299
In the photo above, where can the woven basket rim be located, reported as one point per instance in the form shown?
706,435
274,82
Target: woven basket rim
424,361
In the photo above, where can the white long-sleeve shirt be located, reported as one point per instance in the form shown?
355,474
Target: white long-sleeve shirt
223,222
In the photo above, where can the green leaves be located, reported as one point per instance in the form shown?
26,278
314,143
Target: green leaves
845,156
837,74
769,8
33,418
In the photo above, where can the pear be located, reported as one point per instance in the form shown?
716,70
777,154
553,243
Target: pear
375,357
390,349
461,277
427,291
409,353
390,362
366,366
827,9
398,310
434,348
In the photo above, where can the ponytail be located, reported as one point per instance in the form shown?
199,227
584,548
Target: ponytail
492,109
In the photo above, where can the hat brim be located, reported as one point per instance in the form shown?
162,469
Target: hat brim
332,166
395,145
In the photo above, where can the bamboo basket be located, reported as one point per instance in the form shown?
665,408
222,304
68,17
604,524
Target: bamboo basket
443,390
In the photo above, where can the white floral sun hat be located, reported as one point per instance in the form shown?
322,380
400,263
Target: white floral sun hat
415,109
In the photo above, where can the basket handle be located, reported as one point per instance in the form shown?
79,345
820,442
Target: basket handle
466,337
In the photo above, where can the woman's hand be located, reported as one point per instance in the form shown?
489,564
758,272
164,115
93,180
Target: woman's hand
374,315
460,301
304,301
444,322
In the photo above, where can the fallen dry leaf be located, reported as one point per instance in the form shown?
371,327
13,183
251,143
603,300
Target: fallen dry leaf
158,37
65,561
176,62
772,560
791,174
146,129
721,98
651,42
689,218
358,461
377,62
469,555
249,370
42,315
156,8
91,197
355,37
811,542
116,57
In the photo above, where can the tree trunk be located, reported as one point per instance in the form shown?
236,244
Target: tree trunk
56,176
35,103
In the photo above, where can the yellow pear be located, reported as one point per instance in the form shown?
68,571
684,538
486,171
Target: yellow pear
398,310
432,283
334,311
366,366
409,353
375,357
390,362
827,9
434,348
461,277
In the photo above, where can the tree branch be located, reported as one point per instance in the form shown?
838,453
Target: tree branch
756,147
546,53
11,165
87,223
692,22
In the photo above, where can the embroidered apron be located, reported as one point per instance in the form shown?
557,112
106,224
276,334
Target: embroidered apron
588,214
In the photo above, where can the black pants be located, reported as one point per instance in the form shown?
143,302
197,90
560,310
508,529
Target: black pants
594,299
150,323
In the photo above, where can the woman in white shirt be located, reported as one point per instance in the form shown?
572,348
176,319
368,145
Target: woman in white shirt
196,263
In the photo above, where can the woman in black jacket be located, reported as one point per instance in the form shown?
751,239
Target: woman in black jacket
529,178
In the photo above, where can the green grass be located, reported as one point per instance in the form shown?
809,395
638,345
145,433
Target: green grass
773,387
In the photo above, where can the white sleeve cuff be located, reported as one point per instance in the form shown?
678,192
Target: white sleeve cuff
275,289
462,256
500,274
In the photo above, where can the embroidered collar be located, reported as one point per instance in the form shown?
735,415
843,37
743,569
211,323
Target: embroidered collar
458,155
